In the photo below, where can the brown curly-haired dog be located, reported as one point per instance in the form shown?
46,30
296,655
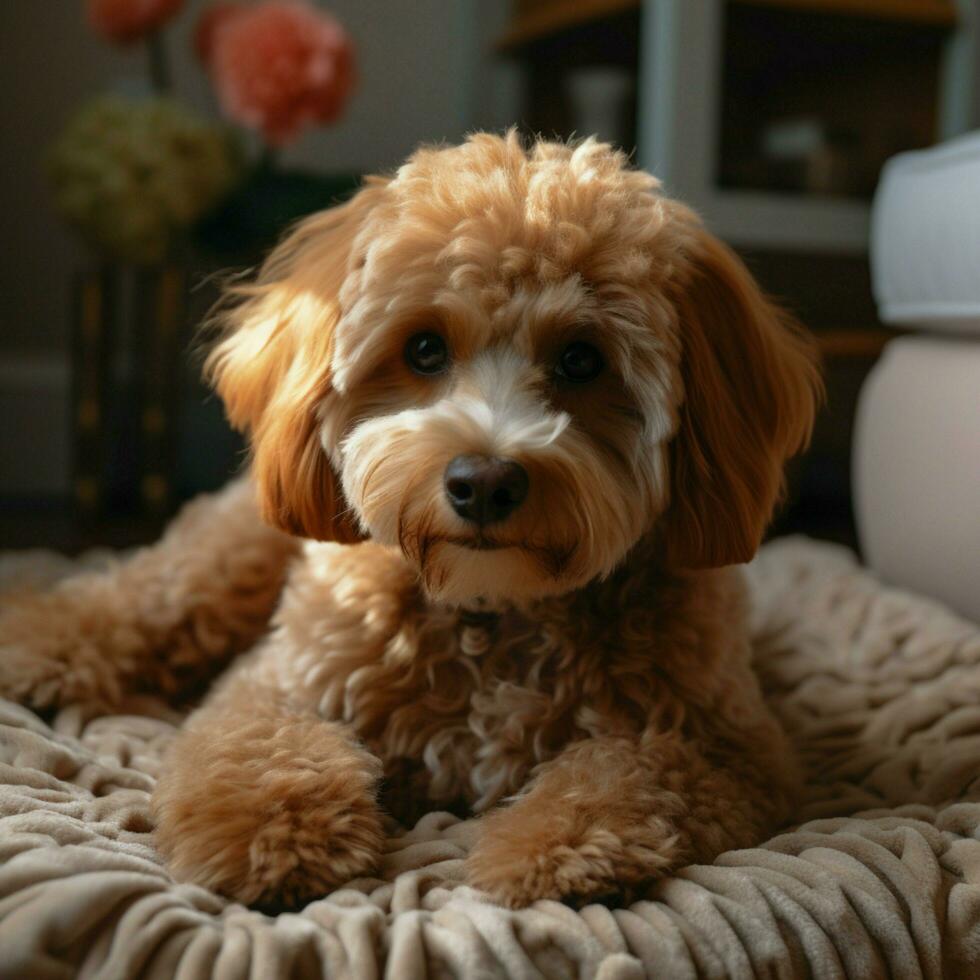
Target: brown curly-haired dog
524,410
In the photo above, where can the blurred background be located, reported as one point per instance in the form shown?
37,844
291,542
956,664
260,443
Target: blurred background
150,146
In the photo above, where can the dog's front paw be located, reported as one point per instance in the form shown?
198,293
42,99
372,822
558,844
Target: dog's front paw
516,870
526,853
268,811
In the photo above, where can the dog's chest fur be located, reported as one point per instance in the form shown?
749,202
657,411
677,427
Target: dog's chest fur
460,708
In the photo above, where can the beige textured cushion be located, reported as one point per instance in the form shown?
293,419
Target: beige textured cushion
882,877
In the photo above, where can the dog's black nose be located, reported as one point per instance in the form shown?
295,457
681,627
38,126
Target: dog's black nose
485,489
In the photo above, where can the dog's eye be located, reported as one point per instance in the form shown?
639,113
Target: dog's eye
427,353
579,362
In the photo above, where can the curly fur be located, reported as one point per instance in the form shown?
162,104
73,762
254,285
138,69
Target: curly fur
580,672
164,621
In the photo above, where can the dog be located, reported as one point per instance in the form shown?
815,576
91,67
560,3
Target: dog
514,414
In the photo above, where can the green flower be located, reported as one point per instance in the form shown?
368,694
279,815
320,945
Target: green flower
133,176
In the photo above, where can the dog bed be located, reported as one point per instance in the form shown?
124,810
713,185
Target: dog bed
880,877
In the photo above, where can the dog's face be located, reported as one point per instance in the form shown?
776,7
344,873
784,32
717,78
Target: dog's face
512,365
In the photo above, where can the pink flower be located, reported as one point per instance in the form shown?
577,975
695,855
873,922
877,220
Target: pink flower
208,24
279,66
126,21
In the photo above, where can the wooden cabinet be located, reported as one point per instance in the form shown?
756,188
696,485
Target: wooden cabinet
772,117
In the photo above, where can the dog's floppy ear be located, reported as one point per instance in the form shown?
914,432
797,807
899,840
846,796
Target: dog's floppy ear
751,388
271,368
